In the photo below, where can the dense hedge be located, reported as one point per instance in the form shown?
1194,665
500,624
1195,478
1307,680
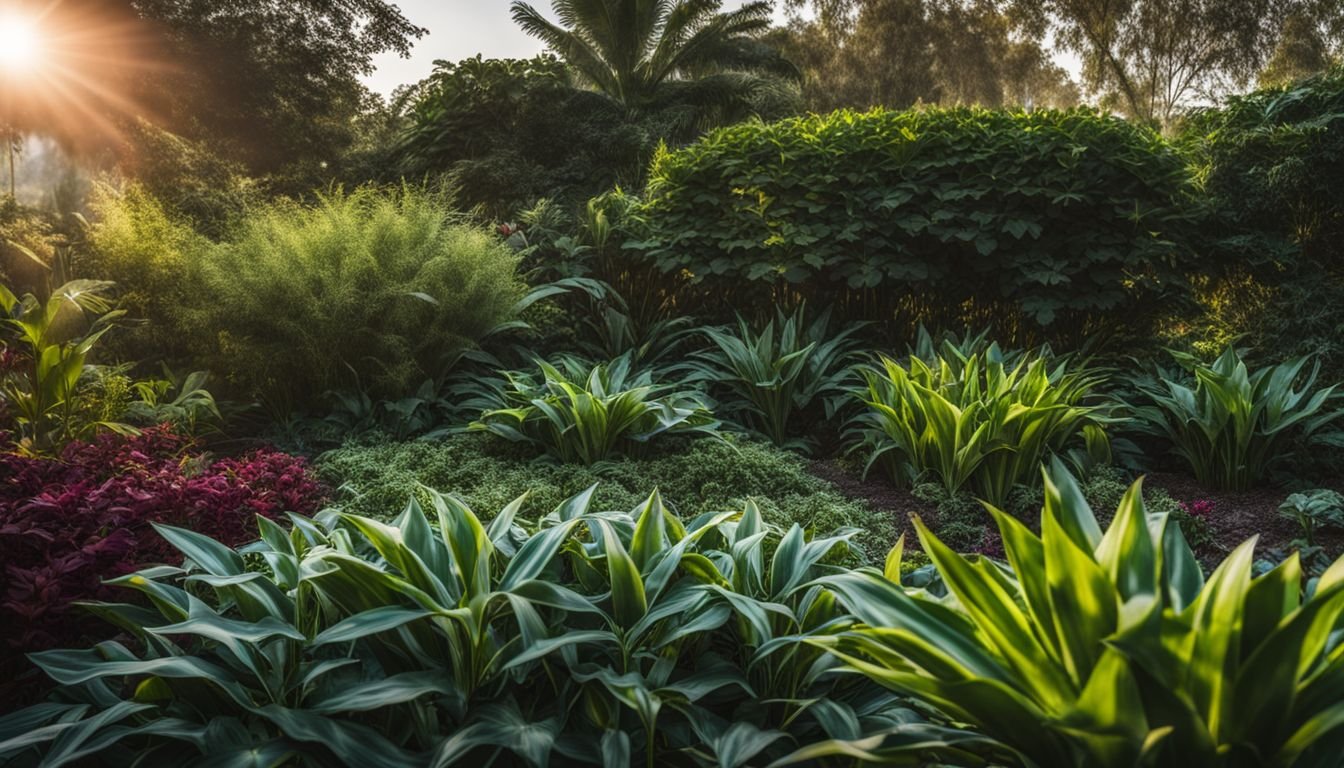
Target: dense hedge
1046,216
1272,162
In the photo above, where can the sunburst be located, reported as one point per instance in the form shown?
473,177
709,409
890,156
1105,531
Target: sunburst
20,43
67,69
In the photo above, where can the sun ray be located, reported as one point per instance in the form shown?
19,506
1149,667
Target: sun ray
70,72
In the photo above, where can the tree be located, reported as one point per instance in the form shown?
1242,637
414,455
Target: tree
1150,59
682,58
273,83
1308,42
506,132
895,53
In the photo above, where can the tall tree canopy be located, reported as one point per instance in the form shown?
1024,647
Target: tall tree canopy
686,56
1150,59
507,132
274,83
895,53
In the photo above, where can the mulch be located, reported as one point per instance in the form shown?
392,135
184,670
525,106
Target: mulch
1234,518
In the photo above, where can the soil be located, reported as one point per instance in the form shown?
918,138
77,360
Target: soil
1235,516
880,494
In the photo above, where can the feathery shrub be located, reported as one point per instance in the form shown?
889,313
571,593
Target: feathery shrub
369,289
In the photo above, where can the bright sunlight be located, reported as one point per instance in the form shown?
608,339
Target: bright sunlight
20,43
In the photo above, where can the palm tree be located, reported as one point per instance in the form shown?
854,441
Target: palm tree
685,56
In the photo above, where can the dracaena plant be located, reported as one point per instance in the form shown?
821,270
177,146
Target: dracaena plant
591,638
1231,425
54,339
975,421
775,373
589,416
1110,648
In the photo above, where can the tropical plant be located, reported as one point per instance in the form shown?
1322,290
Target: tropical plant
183,402
594,638
611,328
686,56
1108,649
779,371
53,339
973,420
590,416
1231,426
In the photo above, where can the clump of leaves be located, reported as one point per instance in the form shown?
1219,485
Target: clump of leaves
1107,648
776,373
974,421
589,417
587,637
1232,426
66,524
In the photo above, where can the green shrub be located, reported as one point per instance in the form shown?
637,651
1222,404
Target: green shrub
955,215
511,131
1270,161
974,421
1109,649
1231,426
780,371
369,289
589,637
591,416
137,243
696,476
1313,511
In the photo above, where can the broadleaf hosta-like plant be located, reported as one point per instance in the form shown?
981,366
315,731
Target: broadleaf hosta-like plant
588,417
1231,425
591,638
974,421
777,372
1110,649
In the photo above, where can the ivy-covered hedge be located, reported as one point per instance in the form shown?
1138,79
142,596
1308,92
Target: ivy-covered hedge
1043,216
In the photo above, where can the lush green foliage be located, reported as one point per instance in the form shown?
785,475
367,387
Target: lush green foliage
1109,649
51,342
697,476
589,637
693,64
588,416
1270,158
779,371
959,214
1231,426
373,289
1313,511
974,420
508,132
142,246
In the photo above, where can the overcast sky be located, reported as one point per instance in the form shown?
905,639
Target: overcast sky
458,29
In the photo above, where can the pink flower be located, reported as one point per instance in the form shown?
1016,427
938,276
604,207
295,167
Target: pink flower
1197,508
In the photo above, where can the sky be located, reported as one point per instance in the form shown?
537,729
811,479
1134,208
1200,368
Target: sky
458,29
